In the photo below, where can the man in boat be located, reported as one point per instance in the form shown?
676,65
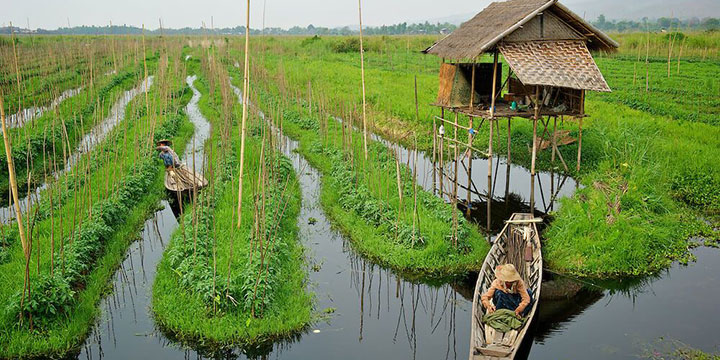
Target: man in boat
179,177
168,155
507,291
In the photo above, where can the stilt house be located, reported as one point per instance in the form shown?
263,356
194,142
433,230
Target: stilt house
547,68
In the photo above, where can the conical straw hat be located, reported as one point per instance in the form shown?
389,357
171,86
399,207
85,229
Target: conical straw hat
507,273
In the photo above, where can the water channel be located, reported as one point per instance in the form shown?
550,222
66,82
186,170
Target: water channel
375,313
88,142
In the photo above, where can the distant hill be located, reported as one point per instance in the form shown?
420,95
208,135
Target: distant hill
621,10
638,9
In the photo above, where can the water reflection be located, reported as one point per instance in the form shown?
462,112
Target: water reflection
371,311
125,328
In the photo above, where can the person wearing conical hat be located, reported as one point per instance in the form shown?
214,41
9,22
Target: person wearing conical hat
168,155
507,291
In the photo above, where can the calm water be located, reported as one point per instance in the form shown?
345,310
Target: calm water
374,313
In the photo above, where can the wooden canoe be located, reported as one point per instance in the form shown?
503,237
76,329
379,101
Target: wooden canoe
184,179
486,342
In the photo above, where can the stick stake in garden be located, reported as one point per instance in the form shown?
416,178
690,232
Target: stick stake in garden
362,77
246,85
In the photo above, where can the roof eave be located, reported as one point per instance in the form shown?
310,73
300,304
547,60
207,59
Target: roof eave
517,25
612,45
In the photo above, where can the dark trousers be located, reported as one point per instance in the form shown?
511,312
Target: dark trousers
511,301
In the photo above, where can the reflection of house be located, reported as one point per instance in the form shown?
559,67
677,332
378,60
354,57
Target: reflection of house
545,48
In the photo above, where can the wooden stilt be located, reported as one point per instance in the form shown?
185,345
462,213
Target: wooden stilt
534,150
442,159
554,141
582,113
489,177
490,141
470,160
455,183
434,157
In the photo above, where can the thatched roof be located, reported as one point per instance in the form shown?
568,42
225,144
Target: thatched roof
484,31
562,63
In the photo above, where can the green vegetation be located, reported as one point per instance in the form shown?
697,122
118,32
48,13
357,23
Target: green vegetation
361,197
218,283
47,66
636,145
90,216
64,128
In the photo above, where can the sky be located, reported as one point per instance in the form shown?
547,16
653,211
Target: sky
51,14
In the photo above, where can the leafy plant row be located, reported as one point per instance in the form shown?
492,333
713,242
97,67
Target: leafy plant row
54,295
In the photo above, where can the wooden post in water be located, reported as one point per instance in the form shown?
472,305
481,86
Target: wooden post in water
244,118
442,153
469,167
455,182
490,141
434,156
554,140
534,150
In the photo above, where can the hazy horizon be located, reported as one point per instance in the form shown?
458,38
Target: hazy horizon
326,13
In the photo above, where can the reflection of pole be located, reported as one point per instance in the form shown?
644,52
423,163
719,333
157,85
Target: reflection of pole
362,303
508,144
552,187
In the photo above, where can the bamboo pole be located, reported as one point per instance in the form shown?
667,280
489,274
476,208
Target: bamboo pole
455,187
362,77
434,157
490,140
470,160
246,85
13,183
442,162
18,214
534,150
580,121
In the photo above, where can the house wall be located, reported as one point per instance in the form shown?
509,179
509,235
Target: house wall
544,27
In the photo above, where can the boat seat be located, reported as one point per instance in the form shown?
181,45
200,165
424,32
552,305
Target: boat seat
495,350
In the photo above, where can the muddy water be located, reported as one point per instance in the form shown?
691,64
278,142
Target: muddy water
27,115
126,328
95,136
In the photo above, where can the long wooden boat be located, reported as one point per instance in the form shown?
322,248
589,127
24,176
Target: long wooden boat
184,179
509,247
